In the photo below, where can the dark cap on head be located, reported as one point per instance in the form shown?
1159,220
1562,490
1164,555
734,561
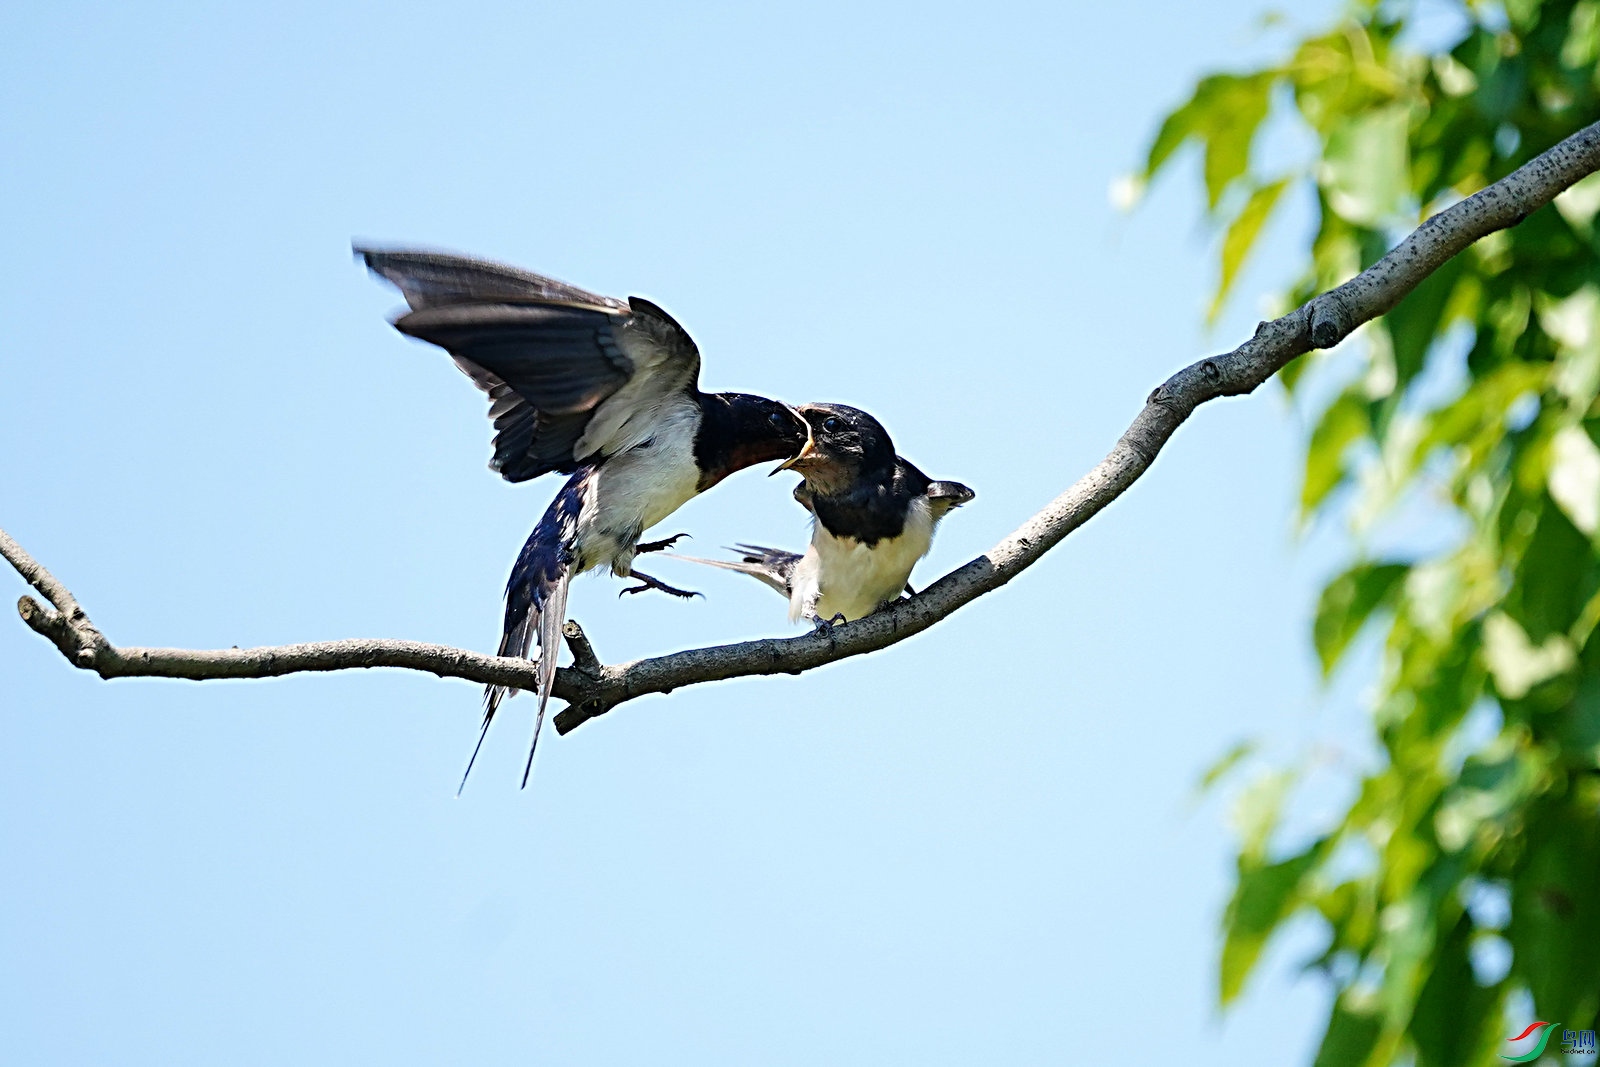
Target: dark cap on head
847,445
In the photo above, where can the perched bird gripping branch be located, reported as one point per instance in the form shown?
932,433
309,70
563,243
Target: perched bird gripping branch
874,514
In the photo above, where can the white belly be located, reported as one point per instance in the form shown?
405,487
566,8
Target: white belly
842,576
635,490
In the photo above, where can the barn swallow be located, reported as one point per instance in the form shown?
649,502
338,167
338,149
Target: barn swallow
873,513
602,389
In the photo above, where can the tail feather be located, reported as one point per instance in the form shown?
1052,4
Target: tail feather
551,619
536,604
770,566
518,636
944,497
488,716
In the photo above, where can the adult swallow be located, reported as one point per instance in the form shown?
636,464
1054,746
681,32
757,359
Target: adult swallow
874,514
602,389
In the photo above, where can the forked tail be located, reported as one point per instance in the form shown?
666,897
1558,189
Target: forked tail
536,608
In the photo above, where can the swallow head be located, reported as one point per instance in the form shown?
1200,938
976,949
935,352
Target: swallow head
747,430
846,445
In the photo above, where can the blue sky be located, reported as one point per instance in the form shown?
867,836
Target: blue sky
982,845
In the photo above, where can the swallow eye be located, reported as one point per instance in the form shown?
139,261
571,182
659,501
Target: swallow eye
831,424
776,418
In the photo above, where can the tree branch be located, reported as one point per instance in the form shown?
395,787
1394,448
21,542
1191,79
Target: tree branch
592,688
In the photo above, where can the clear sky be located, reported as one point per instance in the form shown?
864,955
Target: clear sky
982,845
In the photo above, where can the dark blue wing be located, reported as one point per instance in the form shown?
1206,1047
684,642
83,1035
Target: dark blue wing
548,354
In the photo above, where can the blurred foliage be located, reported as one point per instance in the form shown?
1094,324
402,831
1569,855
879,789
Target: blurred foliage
1461,886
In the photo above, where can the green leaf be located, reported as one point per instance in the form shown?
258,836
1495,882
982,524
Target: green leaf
1223,115
1348,602
1264,896
1416,321
1226,763
1345,421
1582,47
1352,1034
1255,811
1451,1018
1241,237
1180,124
1485,733
1477,419
1365,167
1555,911
1239,106
1555,576
1580,732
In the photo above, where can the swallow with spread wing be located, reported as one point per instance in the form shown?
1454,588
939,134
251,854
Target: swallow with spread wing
874,514
602,389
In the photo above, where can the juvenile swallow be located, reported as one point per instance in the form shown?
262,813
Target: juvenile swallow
602,389
873,513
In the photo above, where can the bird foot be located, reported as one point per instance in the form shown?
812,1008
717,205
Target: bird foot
658,546
647,582
825,626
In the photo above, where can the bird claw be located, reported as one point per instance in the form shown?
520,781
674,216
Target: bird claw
658,546
647,582
825,626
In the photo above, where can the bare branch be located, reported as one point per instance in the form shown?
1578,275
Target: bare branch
35,575
592,688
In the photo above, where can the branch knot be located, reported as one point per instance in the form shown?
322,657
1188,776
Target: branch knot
1330,320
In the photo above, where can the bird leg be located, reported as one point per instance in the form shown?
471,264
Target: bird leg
657,546
825,626
647,582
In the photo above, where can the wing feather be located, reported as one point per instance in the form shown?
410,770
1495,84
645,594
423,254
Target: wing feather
436,279
772,567
568,372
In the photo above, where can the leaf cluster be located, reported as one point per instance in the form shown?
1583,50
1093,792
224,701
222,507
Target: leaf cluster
1464,877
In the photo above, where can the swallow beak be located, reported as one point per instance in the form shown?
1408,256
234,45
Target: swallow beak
807,450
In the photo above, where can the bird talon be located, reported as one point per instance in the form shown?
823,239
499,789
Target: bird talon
647,582
659,546
825,626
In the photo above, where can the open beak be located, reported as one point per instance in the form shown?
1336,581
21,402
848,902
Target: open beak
807,450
